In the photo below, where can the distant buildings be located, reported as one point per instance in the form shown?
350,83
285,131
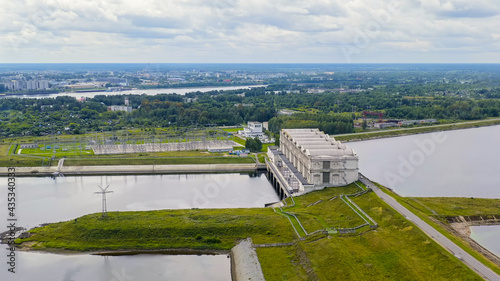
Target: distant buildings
120,108
253,130
20,85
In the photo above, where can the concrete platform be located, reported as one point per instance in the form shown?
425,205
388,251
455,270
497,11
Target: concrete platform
131,169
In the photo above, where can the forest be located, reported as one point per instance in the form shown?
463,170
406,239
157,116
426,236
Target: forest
333,111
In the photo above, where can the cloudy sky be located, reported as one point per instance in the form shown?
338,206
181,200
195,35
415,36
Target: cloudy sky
246,31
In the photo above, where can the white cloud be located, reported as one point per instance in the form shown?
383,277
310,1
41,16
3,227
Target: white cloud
248,31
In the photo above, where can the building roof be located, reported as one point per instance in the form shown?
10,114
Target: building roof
317,144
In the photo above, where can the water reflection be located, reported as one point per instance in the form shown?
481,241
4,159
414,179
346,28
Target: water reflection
52,267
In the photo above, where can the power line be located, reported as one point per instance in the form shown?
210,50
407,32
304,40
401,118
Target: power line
104,207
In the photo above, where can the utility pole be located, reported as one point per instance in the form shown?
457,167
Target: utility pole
104,207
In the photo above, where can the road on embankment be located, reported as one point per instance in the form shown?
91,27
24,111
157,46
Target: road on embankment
416,128
130,169
446,243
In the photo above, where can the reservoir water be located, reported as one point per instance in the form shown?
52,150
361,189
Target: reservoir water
43,200
487,236
150,267
462,163
149,92
46,200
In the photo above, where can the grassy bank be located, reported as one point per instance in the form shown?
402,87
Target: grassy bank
435,211
386,133
397,250
191,229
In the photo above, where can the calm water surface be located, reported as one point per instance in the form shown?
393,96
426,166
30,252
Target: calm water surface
487,236
45,200
52,267
41,200
462,163
149,92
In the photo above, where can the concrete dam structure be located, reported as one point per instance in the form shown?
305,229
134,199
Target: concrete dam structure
308,160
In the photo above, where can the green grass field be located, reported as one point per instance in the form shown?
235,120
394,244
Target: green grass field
438,221
193,229
396,250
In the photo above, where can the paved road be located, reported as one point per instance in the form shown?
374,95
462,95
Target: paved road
405,129
466,258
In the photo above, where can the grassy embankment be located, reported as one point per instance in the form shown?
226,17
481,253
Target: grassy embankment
395,251
391,132
436,210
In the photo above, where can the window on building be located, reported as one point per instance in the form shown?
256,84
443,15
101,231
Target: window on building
326,177
326,165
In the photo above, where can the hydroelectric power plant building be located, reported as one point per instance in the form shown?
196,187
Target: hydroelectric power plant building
308,160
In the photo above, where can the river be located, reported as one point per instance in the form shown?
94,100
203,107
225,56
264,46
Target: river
150,267
149,92
44,200
461,163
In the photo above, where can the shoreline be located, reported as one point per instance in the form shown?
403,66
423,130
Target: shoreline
461,228
416,130
125,252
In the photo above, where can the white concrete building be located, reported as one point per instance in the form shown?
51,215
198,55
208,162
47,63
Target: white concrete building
120,108
253,130
320,160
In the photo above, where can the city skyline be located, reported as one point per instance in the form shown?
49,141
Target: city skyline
408,31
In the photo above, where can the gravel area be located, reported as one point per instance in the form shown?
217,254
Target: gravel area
245,263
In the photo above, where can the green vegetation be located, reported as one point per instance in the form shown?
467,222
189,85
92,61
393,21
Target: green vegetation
396,250
457,206
233,130
283,263
255,145
193,229
439,222
417,130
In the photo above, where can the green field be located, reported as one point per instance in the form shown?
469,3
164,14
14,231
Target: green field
457,206
448,208
396,250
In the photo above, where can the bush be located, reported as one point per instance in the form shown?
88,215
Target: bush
213,240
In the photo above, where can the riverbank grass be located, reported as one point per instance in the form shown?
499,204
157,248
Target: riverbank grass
217,229
396,250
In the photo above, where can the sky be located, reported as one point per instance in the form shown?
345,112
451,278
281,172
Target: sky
249,31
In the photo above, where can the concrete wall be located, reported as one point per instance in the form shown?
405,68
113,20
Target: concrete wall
343,169
132,169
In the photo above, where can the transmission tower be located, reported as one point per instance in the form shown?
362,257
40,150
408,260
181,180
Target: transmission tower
103,192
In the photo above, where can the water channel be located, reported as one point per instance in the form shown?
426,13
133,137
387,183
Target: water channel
43,200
